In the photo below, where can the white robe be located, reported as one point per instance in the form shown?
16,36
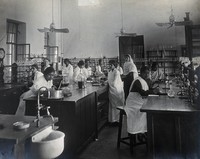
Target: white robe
116,94
120,70
67,73
136,120
37,75
157,75
40,82
80,74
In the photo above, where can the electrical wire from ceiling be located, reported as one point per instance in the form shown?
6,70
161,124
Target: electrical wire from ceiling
122,19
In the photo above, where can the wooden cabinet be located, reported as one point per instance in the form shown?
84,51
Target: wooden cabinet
9,98
173,128
192,38
133,45
167,59
77,115
102,108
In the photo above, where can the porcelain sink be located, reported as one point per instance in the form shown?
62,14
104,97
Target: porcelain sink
47,144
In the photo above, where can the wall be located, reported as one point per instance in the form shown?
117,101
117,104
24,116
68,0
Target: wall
92,28
35,13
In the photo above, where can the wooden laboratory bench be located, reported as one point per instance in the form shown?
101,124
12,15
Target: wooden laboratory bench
77,114
12,140
173,128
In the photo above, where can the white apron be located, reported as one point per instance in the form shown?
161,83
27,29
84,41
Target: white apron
116,95
136,120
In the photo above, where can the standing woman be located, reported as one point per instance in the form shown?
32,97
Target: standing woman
116,92
130,73
119,69
67,72
80,72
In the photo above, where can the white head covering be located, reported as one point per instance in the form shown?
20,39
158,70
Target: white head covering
130,58
129,66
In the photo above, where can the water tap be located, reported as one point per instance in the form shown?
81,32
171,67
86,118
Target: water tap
39,105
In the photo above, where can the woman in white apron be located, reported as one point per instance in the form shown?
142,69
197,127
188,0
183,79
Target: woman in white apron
136,120
67,72
116,92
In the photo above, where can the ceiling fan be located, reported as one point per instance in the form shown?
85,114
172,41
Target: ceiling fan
173,22
122,31
52,27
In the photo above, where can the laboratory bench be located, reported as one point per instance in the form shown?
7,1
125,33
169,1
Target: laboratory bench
173,127
80,115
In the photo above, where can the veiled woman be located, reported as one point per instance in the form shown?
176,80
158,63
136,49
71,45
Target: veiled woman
130,73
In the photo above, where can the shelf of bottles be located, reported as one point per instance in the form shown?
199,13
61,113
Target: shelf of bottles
104,62
19,72
166,58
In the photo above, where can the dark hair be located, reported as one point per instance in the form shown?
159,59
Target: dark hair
34,66
154,65
113,62
46,59
48,70
66,60
81,63
143,69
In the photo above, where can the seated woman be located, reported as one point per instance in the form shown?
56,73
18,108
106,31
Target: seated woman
156,73
43,81
116,92
136,120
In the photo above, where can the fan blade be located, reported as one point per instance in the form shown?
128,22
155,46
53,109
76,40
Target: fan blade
183,23
45,30
163,24
64,30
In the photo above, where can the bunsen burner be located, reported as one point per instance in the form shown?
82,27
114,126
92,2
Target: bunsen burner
14,73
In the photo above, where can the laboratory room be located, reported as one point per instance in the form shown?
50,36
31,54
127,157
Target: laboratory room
99,79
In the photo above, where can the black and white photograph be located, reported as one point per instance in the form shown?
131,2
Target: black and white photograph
99,79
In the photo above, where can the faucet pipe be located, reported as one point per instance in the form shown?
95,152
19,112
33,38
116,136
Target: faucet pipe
39,106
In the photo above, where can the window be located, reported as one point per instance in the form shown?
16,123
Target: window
17,49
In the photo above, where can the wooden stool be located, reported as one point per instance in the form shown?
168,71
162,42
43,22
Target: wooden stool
134,139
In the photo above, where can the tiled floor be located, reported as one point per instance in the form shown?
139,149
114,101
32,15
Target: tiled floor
106,147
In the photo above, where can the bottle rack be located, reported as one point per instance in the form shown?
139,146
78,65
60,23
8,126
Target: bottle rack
166,59
94,62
